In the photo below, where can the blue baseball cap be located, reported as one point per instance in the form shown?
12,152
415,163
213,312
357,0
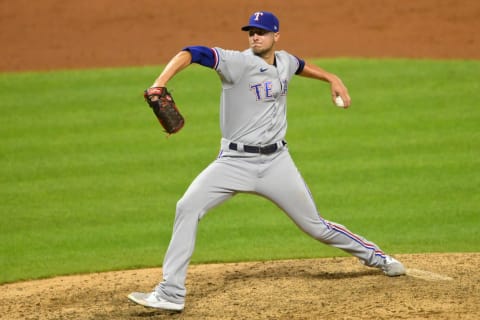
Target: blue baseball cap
263,20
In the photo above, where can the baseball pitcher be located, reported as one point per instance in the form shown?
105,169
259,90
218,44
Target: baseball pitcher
254,154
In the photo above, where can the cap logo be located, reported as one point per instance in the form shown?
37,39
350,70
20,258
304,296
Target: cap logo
257,15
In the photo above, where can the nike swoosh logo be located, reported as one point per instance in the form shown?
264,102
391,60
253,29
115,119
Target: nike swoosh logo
263,69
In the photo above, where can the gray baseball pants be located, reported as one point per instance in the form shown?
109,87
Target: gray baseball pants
274,177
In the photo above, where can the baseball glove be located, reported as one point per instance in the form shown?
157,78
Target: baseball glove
162,104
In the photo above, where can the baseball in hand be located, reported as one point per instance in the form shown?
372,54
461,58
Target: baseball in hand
339,102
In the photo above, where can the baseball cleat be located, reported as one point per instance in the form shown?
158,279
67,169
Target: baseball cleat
393,267
153,300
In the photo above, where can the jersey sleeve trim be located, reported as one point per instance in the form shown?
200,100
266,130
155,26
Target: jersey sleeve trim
204,56
217,60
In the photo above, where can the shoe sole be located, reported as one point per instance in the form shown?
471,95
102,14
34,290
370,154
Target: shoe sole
170,306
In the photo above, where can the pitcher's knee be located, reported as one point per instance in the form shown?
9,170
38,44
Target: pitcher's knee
318,231
183,206
187,209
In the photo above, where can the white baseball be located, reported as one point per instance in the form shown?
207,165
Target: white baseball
339,102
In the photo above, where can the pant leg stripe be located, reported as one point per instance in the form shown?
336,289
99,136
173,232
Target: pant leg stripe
354,237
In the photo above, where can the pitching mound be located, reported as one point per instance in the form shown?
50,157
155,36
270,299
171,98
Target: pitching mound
438,286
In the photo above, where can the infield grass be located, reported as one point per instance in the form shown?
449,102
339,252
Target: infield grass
88,182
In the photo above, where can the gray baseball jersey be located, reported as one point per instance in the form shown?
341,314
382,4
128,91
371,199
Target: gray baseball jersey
254,96
254,159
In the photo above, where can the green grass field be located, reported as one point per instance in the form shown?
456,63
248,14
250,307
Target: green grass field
88,181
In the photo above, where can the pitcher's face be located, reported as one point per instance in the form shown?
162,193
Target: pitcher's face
262,41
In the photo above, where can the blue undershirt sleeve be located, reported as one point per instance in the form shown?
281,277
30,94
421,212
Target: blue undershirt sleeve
202,55
301,65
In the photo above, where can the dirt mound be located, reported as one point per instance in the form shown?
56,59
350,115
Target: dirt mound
438,286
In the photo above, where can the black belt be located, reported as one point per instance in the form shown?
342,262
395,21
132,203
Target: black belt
271,148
